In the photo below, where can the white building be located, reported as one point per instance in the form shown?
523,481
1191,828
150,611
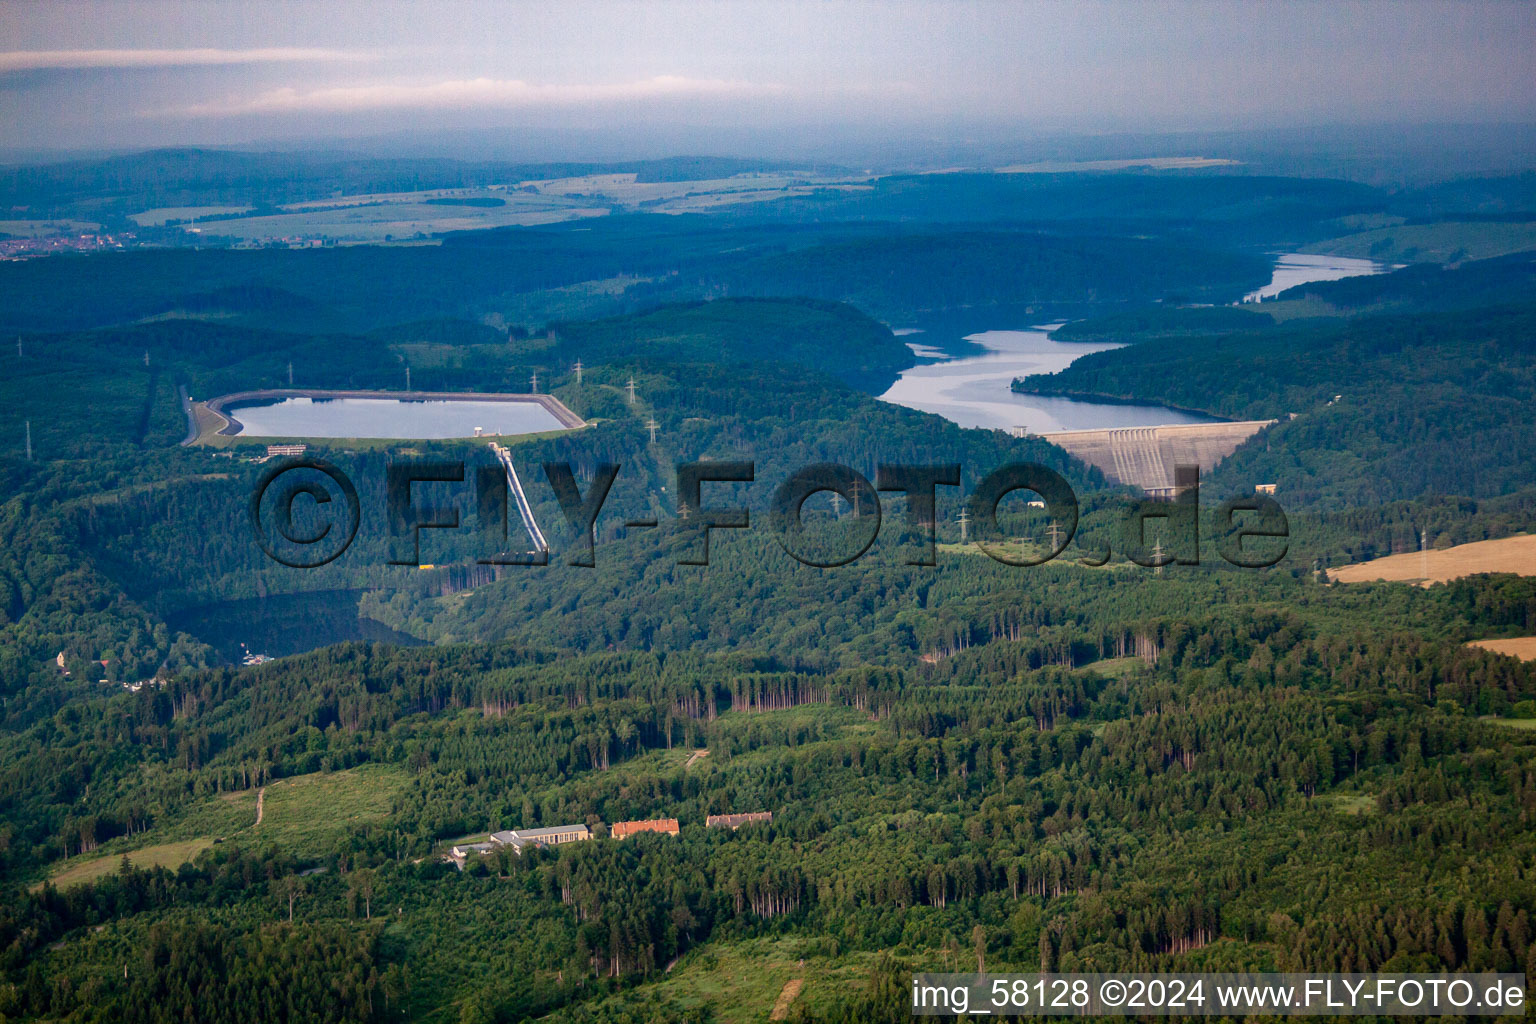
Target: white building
552,836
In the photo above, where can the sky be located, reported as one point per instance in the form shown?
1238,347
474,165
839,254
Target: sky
126,74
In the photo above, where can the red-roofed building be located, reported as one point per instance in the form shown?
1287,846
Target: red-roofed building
735,821
623,829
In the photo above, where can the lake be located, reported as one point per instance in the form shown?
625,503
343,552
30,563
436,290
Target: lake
971,383
283,624
1294,268
423,419
974,390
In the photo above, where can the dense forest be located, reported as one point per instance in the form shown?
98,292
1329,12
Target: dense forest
1002,787
1151,322
1085,765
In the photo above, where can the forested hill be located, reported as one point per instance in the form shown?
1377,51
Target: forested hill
913,273
1213,207
1061,818
831,337
532,277
1422,288
1149,322
1427,404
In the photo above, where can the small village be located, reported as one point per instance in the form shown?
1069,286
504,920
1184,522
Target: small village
557,835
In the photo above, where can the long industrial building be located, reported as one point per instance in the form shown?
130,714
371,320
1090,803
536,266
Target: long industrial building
551,836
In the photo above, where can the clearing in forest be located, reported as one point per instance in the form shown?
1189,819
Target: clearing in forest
306,813
81,870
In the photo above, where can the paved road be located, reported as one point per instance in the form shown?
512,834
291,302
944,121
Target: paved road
186,407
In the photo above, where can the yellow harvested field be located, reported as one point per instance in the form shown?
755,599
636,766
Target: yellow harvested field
1507,554
1522,647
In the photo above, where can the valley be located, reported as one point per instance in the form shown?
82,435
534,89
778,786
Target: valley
274,790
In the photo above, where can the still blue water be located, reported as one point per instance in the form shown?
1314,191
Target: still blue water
973,390
1294,268
391,417
971,387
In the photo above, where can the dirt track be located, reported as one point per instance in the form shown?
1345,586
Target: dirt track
786,998
1507,554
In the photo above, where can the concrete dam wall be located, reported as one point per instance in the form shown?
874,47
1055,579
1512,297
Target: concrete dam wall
1145,456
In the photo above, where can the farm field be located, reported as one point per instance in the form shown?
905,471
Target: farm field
160,215
1449,242
683,196
1507,554
399,220
1522,647
377,217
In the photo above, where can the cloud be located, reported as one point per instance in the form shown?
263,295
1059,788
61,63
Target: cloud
473,92
38,60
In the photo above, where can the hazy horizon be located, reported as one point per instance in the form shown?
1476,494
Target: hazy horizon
710,78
